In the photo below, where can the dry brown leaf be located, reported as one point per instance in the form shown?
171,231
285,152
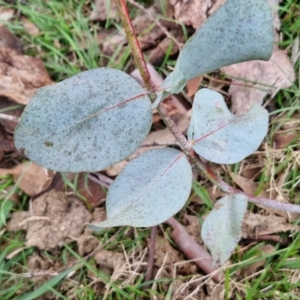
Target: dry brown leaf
258,224
8,40
11,122
103,10
33,178
54,219
30,28
6,144
156,139
90,190
194,12
6,14
21,76
192,86
277,73
282,140
247,185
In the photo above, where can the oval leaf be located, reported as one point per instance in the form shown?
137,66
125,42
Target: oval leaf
238,31
152,188
220,136
85,123
221,229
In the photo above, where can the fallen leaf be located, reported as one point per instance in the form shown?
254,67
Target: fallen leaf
268,77
53,220
10,122
258,224
6,14
282,140
21,76
192,86
90,190
8,40
247,185
194,12
6,144
30,28
104,10
33,178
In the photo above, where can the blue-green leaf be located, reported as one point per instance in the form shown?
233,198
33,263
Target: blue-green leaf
221,229
238,31
85,123
221,137
151,189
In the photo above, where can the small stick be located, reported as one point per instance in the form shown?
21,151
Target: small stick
151,254
193,250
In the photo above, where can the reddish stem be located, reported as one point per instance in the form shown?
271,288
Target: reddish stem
193,250
134,45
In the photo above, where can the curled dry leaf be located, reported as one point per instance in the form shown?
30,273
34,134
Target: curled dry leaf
30,177
20,75
54,219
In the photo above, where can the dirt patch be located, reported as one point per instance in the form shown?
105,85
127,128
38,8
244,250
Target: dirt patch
54,219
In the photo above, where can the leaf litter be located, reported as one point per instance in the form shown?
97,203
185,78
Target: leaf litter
70,208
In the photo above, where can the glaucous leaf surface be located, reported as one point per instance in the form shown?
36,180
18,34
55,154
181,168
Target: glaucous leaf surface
151,189
85,123
221,229
220,136
238,31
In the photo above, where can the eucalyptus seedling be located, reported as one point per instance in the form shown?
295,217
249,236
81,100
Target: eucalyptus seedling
100,117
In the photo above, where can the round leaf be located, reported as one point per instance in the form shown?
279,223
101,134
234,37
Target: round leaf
85,123
221,229
220,136
238,31
152,188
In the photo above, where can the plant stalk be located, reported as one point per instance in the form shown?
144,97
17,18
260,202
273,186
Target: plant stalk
180,138
135,46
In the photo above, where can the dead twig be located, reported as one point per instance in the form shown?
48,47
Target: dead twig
193,250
